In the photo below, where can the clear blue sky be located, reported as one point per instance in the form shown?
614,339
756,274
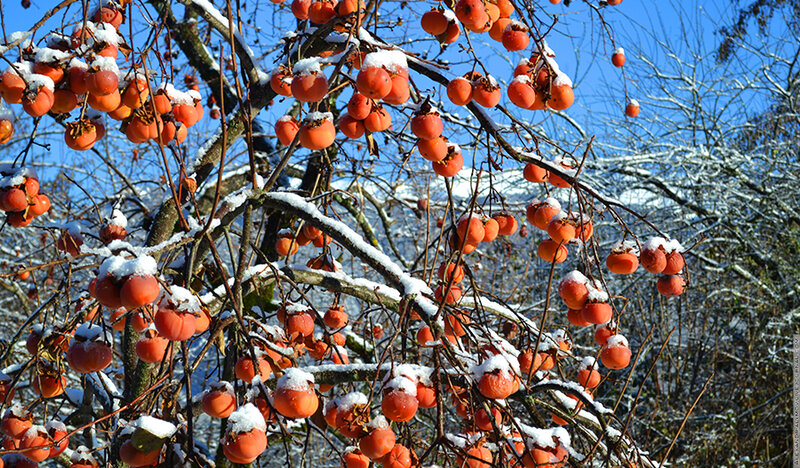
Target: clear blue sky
582,47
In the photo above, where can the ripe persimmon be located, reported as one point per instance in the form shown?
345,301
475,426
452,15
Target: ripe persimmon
451,164
295,397
459,90
136,458
675,263
484,422
286,128
434,22
561,96
451,33
671,285
377,443
355,459
561,229
515,36
653,258
321,11
12,86
434,149
490,229
286,246
471,228
616,354
373,82
317,132
618,57
471,12
80,135
335,317
400,92
40,103
35,444
597,312
476,457
48,383
507,224
540,213
378,120
309,87
359,106
245,371
106,102
139,290
300,8
136,93
281,81
399,405
351,127
552,251
173,324
496,385
622,263
632,108
398,457
588,376
427,126
575,317
486,92
219,401
151,346
101,82
573,291
85,356
64,101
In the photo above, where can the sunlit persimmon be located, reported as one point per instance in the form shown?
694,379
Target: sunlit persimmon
459,90
135,458
486,92
378,120
427,126
219,401
102,82
317,134
38,103
515,36
139,290
12,86
351,127
309,87
434,149
244,369
173,324
671,285
675,263
377,443
151,346
434,22
622,263
105,102
552,251
597,312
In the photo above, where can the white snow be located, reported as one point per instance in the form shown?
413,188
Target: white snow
246,418
307,66
296,379
615,341
157,427
392,60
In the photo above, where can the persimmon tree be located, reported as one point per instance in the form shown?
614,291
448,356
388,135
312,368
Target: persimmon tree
300,231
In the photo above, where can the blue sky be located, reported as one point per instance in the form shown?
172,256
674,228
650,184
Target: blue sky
580,41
